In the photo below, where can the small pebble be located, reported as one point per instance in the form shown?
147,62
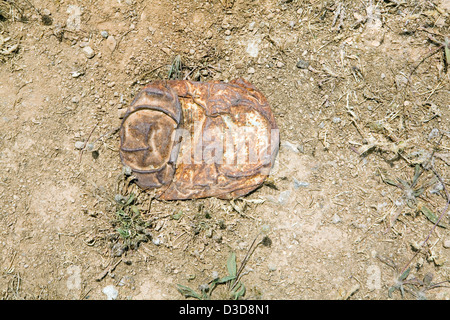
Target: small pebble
401,80
83,44
336,219
433,134
446,244
79,145
89,52
75,99
438,187
253,49
284,197
111,43
121,282
251,70
121,112
90,146
111,292
272,267
336,120
290,146
127,171
302,64
227,32
299,184
117,250
279,64
76,74
46,12
203,287
104,34
265,228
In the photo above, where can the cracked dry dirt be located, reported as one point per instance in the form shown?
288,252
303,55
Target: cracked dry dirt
355,91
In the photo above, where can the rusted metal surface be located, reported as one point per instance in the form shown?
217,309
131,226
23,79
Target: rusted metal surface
188,140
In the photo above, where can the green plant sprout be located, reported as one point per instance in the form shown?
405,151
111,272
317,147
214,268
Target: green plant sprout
131,228
236,288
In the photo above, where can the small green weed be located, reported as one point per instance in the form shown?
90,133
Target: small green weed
129,225
411,285
410,195
411,192
175,69
236,288
416,287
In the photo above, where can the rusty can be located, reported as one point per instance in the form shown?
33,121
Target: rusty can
188,140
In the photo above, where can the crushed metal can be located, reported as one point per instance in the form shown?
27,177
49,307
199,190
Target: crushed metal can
189,140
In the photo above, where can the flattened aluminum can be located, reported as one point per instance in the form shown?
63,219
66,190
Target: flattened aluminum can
189,140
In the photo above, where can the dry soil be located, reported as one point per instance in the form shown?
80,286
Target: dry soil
359,89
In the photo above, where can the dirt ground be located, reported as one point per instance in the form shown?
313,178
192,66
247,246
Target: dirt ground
359,90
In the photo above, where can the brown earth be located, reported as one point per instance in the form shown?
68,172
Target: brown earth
357,89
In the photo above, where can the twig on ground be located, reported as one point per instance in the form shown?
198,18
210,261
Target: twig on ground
86,142
442,45
108,269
